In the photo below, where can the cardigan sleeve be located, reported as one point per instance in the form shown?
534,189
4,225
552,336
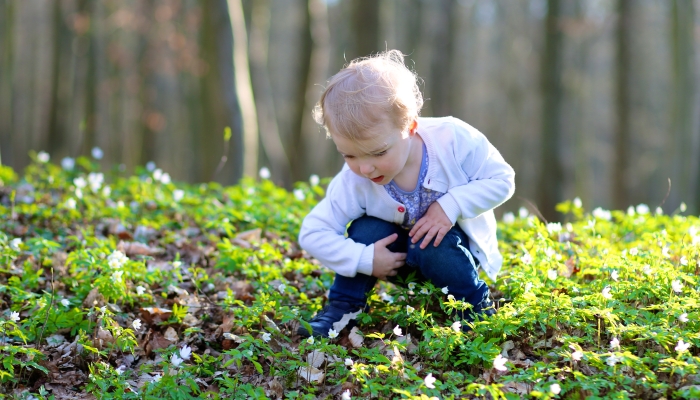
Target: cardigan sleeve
322,232
491,179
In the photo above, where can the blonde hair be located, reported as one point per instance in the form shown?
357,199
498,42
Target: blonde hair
365,92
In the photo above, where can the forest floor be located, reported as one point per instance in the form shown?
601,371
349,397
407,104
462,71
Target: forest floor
122,287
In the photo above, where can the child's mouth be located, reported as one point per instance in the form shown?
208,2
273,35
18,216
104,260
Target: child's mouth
378,179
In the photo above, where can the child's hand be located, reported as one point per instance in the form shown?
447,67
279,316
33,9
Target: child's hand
385,261
434,223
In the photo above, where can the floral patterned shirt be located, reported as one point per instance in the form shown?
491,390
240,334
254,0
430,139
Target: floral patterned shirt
416,201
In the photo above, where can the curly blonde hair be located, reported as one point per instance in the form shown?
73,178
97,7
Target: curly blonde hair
365,92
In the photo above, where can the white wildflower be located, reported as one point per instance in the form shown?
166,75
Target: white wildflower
266,337
683,317
165,179
157,174
430,381
615,275
14,316
612,360
526,259
456,326
600,213
553,227
314,180
523,212
528,287
578,203
106,191
634,251
642,209
591,224
615,343
409,309
117,259
95,180
508,217
136,324
97,153
185,352
117,276
281,287
386,297
411,285
332,333
577,355
606,292
68,163
500,363
349,362
646,269
65,302
682,346
264,173
156,377
140,290
310,340
15,243
178,194
552,274
70,204
677,286
80,182
150,166
299,194
425,291
683,207
555,388
346,395
444,290
450,297
176,360
43,157
659,211
398,331
684,261
549,252
120,370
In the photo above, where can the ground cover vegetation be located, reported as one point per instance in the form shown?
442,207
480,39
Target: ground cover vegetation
133,286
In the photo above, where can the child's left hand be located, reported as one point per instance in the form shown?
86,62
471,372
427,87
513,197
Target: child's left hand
434,223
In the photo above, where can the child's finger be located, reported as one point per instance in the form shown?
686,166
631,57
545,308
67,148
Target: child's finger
440,235
428,237
387,240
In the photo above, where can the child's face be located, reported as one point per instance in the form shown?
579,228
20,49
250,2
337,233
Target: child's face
382,156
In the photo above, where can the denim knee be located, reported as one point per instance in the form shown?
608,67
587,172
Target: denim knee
367,230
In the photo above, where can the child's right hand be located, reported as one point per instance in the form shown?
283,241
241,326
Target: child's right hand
386,263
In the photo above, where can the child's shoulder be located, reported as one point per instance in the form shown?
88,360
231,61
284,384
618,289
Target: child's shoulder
447,129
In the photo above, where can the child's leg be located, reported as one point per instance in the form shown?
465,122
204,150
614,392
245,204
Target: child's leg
366,230
348,295
451,264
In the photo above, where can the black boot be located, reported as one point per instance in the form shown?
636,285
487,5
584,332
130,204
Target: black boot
335,315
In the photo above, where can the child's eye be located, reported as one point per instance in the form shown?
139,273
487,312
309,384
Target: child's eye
380,154
346,156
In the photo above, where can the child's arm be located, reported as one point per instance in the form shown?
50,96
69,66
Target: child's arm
491,179
322,235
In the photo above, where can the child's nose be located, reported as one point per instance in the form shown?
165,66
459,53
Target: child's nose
366,169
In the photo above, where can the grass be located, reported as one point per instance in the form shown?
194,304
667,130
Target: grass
153,289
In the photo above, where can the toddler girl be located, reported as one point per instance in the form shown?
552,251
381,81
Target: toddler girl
419,194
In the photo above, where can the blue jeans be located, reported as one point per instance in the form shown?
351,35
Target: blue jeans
449,264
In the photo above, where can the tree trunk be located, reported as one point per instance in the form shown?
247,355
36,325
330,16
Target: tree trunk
684,158
272,145
622,104
549,185
365,28
244,88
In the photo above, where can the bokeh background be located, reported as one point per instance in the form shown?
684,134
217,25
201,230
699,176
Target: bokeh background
598,99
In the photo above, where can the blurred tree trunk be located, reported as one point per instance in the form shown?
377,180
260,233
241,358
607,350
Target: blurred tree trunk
298,151
272,145
550,179
683,105
244,88
365,28
315,144
622,104
7,26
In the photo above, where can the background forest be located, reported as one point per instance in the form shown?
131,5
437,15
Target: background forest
592,98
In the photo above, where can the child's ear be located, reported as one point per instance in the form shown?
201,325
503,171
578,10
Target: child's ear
413,127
